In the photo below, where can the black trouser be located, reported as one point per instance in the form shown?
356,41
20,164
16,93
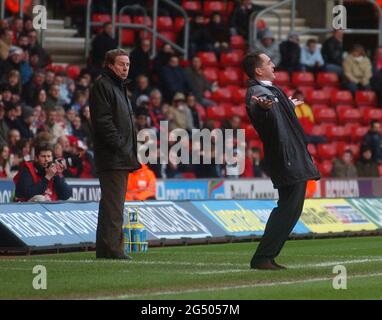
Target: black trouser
110,214
281,221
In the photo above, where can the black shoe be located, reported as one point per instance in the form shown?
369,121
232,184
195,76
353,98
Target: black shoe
264,265
278,265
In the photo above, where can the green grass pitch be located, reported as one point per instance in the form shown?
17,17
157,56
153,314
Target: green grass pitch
203,272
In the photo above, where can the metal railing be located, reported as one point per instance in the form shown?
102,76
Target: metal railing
153,30
254,18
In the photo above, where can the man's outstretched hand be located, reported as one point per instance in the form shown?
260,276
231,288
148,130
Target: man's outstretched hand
262,102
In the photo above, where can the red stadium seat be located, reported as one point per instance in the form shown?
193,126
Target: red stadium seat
353,147
221,95
212,6
191,6
366,98
202,112
127,36
325,167
327,79
240,111
325,115
319,106
342,97
237,42
326,151
73,71
208,58
211,74
282,78
141,20
302,79
369,115
336,133
179,24
343,107
238,96
349,115
250,133
306,90
164,23
288,91
229,76
358,133
312,150
231,59
98,17
170,35
216,113
318,96
318,130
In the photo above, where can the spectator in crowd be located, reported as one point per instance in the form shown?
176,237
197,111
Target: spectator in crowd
14,82
36,48
161,59
192,104
248,168
376,81
290,53
54,98
32,87
42,179
102,43
155,108
6,36
52,124
17,26
40,99
373,140
28,24
86,126
240,17
210,166
199,37
344,167
5,166
218,34
23,42
174,79
60,80
11,116
77,128
332,52
13,138
16,61
258,171
25,123
305,115
141,119
366,166
23,147
3,126
199,83
179,114
140,60
80,100
311,58
269,46
357,69
142,87
141,185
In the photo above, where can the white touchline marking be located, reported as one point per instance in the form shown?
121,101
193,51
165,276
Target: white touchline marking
186,263
255,285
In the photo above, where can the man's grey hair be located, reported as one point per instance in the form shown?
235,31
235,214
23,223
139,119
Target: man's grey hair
112,54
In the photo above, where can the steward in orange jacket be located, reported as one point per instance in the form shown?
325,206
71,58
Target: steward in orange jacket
141,184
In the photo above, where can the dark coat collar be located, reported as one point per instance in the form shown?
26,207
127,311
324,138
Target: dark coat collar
117,80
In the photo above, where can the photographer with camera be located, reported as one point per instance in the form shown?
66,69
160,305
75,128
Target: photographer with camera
42,179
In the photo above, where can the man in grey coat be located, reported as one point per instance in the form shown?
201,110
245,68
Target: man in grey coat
115,150
286,157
